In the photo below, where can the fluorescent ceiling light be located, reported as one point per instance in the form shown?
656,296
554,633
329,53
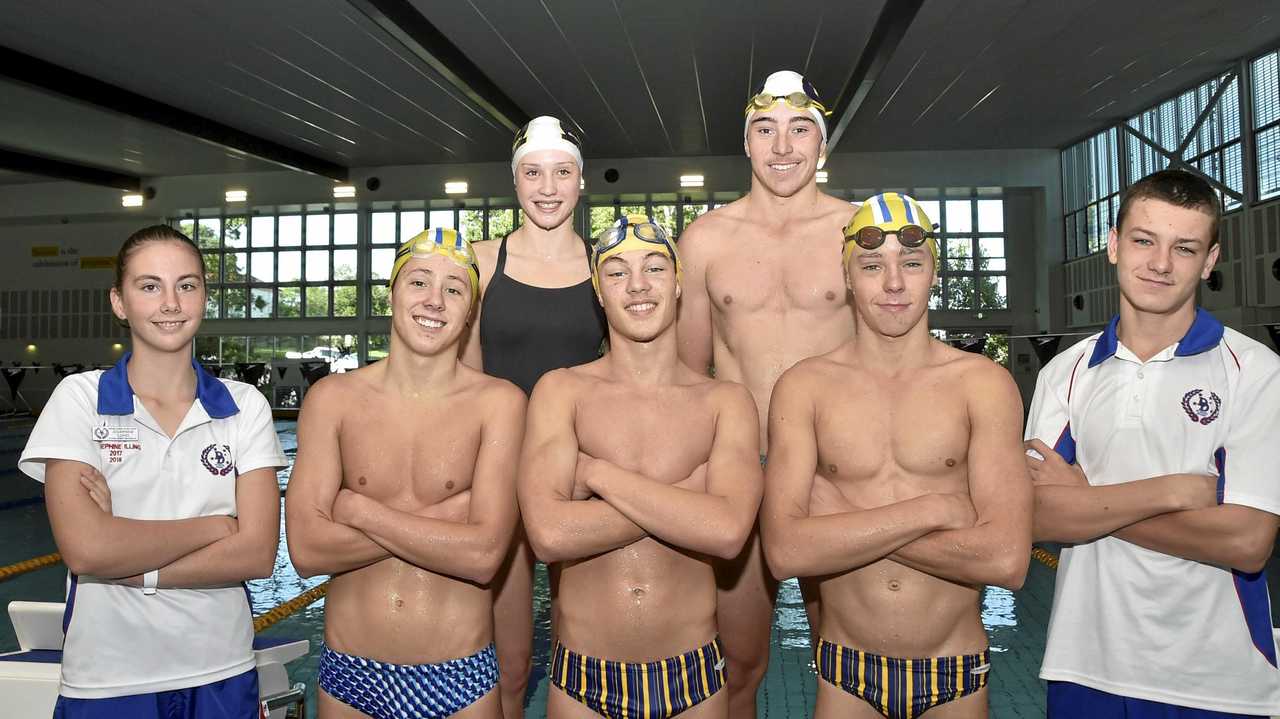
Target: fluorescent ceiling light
344,191
455,187
691,180
131,200
821,176
237,195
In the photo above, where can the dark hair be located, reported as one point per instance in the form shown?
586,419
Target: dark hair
154,233
1176,187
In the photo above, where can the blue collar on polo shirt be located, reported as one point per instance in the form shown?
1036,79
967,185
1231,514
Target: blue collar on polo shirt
115,396
1205,334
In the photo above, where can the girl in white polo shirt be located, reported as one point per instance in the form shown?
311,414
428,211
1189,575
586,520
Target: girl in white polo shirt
161,490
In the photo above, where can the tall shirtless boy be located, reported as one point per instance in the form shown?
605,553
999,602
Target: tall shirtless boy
763,290
636,471
404,490
921,495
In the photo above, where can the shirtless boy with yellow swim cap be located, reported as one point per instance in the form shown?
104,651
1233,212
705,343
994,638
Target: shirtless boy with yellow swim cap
404,490
921,496
636,471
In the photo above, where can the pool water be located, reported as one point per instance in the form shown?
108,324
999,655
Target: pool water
1015,621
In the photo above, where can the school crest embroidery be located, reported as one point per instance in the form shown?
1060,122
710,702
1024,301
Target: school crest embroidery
217,459
1200,406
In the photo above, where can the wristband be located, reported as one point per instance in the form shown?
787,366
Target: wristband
149,581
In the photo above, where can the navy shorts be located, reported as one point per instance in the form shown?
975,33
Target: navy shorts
233,698
1067,700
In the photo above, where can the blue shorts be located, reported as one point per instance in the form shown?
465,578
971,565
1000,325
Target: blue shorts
1067,700
234,698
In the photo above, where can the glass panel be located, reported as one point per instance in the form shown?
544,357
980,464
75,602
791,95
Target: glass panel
344,228
317,266
601,219
991,247
317,229
290,230
317,301
382,228
235,267
262,349
344,265
289,302
932,209
263,267
288,346
963,264
290,266
411,223
958,292
345,301
211,305
262,302
207,348
958,247
380,264
212,268
633,210
235,349
665,216
1269,163
500,223
990,215
996,265
208,233
442,218
935,297
263,231
234,232
188,228
235,303
379,301
379,346
992,293
959,216
472,225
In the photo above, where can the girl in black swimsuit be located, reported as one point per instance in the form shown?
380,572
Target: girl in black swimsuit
537,313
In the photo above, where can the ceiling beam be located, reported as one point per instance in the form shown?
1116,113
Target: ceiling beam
59,80
403,21
20,161
891,26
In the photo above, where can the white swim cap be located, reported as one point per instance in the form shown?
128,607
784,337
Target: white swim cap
544,133
790,87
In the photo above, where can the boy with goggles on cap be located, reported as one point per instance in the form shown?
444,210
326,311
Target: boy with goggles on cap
921,495
635,469
763,290
404,491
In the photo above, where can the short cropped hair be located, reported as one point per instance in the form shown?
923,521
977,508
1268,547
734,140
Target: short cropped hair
1176,187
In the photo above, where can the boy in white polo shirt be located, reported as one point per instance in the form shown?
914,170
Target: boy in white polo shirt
1162,479
160,482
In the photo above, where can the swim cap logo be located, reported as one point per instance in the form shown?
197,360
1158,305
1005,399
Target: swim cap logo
217,459
1199,408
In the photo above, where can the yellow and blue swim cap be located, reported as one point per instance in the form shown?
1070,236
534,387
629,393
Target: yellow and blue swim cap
440,241
894,213
631,232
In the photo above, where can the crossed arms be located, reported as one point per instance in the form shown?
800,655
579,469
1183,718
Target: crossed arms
576,506
983,538
334,530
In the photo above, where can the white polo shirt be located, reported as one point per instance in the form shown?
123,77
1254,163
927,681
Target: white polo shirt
118,640
1138,623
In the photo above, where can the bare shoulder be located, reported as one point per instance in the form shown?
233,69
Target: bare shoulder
985,383
558,386
487,258
731,397
332,391
491,392
836,208
804,376
704,235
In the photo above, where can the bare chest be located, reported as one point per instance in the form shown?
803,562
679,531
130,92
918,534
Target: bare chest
770,277
664,434
914,433
409,460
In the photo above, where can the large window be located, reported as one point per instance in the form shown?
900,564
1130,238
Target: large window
1090,192
974,271
278,265
1266,123
1214,146
388,228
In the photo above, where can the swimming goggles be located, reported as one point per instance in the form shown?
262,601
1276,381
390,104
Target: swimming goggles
762,102
871,237
648,230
